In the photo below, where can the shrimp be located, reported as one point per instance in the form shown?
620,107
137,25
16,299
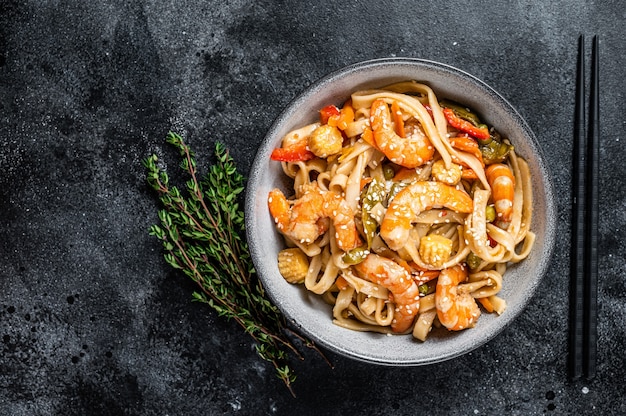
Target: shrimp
456,308
395,278
502,182
306,219
412,200
410,152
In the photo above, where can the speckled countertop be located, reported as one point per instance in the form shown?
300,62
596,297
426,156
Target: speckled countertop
93,322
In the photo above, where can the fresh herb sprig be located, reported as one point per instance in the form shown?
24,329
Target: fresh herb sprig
202,234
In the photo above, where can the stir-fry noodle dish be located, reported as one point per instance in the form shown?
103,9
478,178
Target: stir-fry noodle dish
405,212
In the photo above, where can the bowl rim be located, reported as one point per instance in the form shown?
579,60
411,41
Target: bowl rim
269,142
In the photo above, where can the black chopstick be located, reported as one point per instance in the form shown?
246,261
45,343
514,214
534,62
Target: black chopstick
584,265
577,255
591,253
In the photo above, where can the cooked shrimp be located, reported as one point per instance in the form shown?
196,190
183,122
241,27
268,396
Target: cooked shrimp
398,281
411,151
456,308
502,182
412,200
470,158
450,175
306,219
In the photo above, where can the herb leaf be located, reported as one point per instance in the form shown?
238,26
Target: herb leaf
202,234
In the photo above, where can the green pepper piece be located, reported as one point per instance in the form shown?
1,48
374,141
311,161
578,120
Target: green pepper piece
355,256
374,194
395,188
485,142
495,152
388,172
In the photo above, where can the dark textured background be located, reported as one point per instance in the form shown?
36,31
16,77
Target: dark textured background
92,322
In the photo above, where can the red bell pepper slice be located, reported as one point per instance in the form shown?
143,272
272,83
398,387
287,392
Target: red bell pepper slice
465,126
327,112
429,109
297,153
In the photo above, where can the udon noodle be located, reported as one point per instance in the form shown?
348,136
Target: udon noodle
405,212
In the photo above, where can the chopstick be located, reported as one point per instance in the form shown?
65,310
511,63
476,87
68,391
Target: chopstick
591,274
584,255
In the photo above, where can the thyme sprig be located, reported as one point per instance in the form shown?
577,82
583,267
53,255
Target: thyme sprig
202,234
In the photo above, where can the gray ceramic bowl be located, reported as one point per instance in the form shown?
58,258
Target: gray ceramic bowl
305,310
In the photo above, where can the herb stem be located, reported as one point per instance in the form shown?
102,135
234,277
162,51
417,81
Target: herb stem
202,235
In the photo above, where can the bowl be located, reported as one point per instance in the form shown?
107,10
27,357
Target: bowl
307,312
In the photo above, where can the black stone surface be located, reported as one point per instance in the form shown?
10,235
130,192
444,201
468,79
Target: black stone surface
92,321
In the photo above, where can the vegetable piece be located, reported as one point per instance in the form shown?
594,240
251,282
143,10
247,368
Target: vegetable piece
368,137
495,151
325,141
462,112
373,195
467,144
364,181
429,110
295,153
486,303
342,284
395,188
423,289
388,171
293,265
345,117
468,174
355,256
427,288
435,249
480,132
468,115
490,213
473,261
327,112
